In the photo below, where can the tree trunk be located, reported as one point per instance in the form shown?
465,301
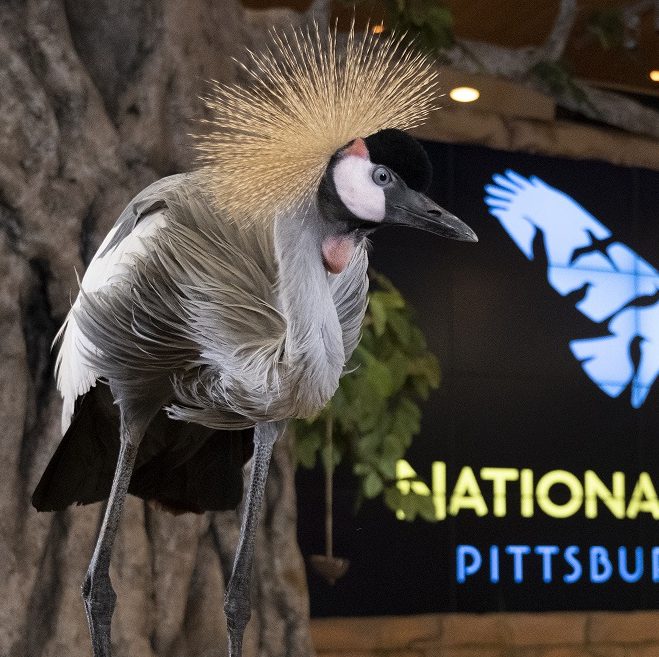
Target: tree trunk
97,98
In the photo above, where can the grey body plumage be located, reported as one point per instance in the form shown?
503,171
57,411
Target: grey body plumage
235,325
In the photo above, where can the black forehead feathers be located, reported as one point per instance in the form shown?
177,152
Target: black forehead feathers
403,154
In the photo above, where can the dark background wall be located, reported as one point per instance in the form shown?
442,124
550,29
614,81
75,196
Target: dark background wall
512,395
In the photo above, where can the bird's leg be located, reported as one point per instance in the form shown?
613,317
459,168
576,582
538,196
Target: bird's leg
97,592
236,602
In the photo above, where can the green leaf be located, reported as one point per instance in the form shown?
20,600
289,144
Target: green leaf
406,420
439,26
417,342
426,508
362,468
392,498
426,367
401,328
421,387
397,364
387,466
390,299
372,485
393,448
378,376
378,314
416,14
440,16
369,444
408,505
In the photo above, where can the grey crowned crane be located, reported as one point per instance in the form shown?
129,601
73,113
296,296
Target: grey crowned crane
228,300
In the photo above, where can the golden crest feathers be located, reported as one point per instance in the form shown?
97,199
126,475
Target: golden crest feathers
270,142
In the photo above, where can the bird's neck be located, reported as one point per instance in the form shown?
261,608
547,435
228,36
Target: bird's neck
314,345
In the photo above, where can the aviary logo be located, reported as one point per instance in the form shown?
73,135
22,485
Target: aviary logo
617,289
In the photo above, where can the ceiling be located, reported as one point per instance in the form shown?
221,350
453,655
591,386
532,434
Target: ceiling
516,23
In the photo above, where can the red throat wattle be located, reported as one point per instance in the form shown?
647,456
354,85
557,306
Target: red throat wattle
337,252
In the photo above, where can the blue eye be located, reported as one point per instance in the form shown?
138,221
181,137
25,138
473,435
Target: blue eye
381,176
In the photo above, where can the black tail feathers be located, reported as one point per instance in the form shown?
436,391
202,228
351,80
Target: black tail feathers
182,467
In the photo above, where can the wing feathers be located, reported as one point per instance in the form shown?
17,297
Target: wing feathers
110,263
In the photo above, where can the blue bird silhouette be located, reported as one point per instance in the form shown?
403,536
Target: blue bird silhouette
618,289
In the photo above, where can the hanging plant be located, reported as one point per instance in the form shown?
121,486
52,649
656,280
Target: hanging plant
375,412
430,23
558,79
607,25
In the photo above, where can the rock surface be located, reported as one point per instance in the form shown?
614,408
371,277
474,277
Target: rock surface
502,634
97,98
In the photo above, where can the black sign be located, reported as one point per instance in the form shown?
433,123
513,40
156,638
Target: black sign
540,447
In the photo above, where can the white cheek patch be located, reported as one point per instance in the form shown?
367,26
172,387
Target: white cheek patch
355,187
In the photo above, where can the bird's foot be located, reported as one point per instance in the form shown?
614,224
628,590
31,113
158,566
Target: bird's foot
238,612
99,599
235,642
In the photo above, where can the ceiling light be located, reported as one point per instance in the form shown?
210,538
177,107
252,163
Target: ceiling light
464,94
654,75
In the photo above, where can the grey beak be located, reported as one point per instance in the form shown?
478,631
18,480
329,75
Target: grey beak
418,211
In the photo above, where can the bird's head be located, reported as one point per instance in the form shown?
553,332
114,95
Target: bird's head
379,181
